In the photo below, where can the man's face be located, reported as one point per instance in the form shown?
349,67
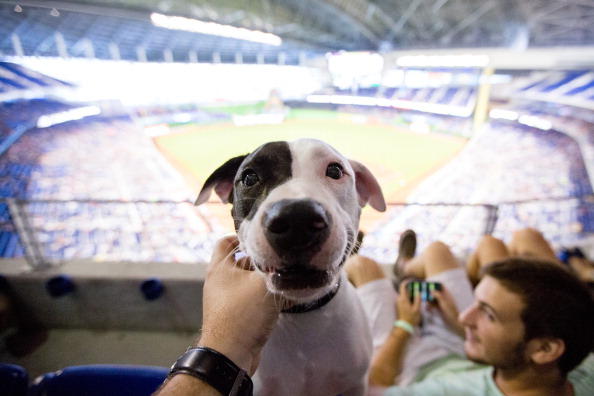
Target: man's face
494,328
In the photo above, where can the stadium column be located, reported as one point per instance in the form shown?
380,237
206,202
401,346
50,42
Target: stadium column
482,100
114,51
17,46
61,45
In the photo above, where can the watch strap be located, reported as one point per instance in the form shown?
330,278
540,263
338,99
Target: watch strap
216,370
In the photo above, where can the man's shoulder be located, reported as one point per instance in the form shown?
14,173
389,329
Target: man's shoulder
478,381
582,377
447,365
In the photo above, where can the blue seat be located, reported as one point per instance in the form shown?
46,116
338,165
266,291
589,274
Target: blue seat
100,380
14,380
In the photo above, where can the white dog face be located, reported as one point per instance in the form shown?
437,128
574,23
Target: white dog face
296,207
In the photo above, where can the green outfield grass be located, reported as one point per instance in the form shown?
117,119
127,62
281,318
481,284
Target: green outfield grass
396,156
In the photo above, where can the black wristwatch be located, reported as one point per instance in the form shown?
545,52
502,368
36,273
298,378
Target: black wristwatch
216,370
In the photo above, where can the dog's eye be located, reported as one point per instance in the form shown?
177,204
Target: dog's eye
249,178
334,171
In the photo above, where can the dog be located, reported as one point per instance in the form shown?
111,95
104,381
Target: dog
296,209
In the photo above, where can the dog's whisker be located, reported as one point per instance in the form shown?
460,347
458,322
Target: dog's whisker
229,255
280,302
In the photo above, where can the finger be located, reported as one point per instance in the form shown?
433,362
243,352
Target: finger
402,297
222,251
442,298
226,245
437,295
417,302
438,299
403,287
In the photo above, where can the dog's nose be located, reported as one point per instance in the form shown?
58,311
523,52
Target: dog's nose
296,227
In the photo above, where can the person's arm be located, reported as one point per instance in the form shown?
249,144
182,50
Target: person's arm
186,385
446,304
239,315
386,364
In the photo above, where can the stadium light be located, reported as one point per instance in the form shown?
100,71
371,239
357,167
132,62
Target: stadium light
214,29
69,115
535,122
502,114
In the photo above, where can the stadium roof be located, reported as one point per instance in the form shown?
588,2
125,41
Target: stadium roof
107,29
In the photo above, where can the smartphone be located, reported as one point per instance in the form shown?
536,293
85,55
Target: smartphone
423,288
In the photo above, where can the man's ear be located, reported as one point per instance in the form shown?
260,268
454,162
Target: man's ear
546,350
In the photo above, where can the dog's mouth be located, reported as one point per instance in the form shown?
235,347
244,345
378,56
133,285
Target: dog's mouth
299,277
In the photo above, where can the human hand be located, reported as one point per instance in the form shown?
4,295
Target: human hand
446,304
407,311
239,313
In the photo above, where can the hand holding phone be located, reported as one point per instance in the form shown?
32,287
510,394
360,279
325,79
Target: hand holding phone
423,288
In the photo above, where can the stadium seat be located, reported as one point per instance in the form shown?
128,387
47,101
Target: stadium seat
100,380
13,380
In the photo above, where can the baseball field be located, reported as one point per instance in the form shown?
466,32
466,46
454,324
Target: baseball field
399,158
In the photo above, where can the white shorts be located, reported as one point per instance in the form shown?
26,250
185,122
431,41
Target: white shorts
433,339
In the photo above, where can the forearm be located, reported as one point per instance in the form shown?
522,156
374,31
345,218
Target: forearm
387,363
186,385
203,370
239,314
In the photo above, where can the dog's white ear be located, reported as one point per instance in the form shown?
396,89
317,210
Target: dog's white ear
368,189
221,181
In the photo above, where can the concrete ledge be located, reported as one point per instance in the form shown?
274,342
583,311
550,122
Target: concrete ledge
108,296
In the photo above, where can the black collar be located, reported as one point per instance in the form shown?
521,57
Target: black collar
312,306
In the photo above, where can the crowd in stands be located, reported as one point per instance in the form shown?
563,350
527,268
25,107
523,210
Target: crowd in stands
15,114
98,188
522,175
515,174
454,96
573,121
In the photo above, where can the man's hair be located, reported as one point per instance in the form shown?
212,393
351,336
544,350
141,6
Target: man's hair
557,304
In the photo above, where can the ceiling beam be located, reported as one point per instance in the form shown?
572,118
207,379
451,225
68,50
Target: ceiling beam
469,20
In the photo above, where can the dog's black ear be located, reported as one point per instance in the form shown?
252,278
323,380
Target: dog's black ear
221,181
